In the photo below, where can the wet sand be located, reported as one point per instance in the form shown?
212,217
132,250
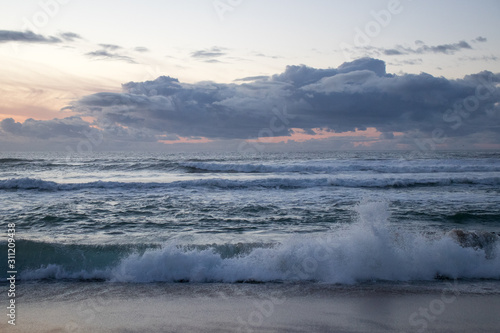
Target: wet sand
108,307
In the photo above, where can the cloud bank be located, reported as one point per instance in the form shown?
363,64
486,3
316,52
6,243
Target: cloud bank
70,127
355,96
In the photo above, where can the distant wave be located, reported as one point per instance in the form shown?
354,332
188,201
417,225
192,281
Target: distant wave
13,160
411,182
329,167
373,181
366,251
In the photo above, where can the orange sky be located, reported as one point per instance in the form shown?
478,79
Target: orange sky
371,134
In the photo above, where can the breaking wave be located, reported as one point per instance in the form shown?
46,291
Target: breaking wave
369,250
304,181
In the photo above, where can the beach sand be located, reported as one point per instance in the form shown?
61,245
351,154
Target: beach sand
186,307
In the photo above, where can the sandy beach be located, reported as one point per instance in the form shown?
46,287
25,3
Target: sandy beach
108,307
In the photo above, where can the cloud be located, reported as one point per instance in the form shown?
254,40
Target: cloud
411,62
71,127
393,52
480,39
484,58
266,56
252,78
420,48
7,36
108,52
356,95
443,48
105,55
70,36
26,37
214,52
424,48
110,47
141,49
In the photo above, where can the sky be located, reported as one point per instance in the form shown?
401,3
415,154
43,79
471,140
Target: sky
249,75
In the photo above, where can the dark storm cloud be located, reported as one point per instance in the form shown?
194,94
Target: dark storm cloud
26,37
356,95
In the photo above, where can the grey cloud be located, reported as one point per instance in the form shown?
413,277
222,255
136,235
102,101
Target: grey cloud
211,53
70,133
419,48
71,127
252,78
480,39
105,55
393,52
266,56
141,49
70,36
483,58
388,135
110,47
411,62
423,48
445,48
26,37
356,95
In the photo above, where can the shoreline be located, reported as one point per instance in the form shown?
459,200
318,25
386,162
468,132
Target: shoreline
178,307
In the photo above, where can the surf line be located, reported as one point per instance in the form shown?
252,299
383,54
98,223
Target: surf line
11,272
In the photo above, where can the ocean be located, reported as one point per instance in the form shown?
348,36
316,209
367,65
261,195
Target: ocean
323,221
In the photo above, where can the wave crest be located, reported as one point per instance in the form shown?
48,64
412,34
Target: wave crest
367,181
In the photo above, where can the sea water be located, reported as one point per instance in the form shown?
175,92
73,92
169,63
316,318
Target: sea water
332,218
